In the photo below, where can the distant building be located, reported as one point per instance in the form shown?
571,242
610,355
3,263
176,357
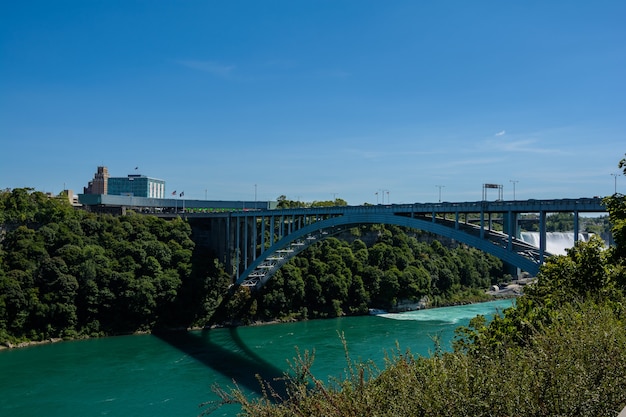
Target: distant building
99,183
132,185
137,186
71,197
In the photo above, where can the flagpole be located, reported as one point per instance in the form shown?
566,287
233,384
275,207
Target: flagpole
182,195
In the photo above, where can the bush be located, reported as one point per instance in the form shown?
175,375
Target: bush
574,367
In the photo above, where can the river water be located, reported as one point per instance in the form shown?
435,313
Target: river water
170,375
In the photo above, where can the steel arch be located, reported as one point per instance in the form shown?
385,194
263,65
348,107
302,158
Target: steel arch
265,266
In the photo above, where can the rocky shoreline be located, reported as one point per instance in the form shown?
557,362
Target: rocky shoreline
512,289
9,345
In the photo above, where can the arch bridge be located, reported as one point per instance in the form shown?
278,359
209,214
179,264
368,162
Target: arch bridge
255,244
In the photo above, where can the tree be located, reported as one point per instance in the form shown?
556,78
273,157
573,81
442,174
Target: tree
616,205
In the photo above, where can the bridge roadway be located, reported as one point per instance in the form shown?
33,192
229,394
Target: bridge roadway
254,244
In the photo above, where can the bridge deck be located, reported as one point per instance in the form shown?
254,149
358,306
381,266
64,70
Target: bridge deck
580,205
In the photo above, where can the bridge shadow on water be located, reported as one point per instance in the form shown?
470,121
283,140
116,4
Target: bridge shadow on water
233,359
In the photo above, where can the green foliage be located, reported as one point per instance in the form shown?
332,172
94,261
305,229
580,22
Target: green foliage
346,276
559,222
67,273
284,203
575,367
583,274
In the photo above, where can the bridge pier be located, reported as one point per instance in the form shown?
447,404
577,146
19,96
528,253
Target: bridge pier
542,236
482,224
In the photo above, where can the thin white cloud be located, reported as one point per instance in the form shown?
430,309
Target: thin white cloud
212,67
501,133
526,145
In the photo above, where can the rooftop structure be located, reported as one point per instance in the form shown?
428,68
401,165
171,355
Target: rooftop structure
137,186
133,185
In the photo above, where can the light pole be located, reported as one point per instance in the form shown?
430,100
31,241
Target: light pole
514,182
382,196
382,193
615,177
440,187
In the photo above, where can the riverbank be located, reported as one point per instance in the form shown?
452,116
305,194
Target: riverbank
513,289
9,345
509,290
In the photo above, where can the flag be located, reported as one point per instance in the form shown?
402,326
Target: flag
174,192
182,194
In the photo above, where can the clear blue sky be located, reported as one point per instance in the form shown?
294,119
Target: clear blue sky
316,99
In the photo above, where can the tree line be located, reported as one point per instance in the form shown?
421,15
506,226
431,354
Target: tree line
67,273
346,275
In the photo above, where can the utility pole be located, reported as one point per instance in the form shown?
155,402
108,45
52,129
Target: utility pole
514,182
382,195
440,187
615,177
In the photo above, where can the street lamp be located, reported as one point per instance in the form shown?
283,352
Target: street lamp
440,187
382,196
514,182
615,177
382,193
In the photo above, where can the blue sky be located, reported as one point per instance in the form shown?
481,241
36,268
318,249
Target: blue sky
316,99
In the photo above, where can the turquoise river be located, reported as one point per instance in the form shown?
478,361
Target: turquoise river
171,375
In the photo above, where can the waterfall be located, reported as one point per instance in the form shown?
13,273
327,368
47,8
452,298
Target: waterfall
556,242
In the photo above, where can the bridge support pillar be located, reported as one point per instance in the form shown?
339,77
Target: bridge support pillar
510,227
542,236
482,224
